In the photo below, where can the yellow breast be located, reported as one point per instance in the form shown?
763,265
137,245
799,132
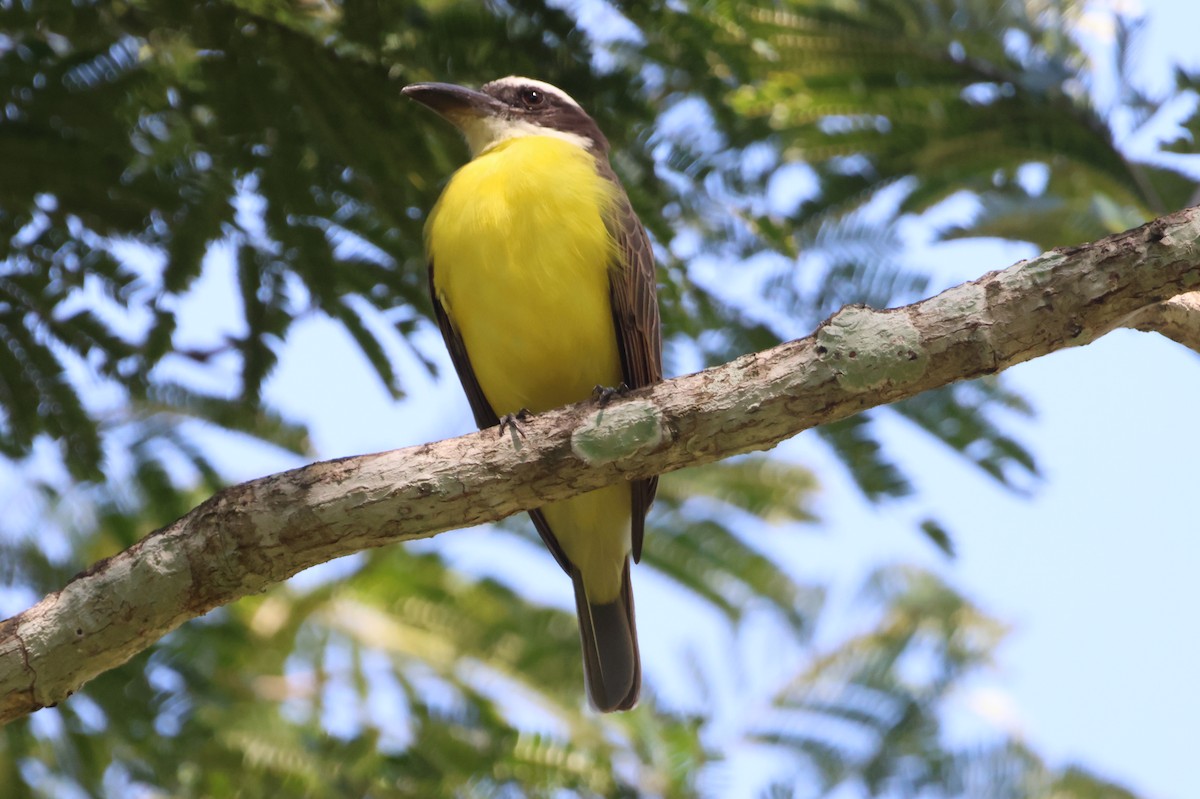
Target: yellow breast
521,257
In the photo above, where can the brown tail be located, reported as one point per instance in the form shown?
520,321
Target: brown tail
611,664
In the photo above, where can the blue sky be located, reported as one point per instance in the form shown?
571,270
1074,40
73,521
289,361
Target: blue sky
1097,570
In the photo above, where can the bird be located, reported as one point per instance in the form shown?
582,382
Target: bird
543,284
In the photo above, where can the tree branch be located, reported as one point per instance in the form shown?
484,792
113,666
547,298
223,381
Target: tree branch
1177,318
251,536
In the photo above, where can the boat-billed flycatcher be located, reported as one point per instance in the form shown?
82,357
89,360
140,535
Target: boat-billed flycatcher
543,284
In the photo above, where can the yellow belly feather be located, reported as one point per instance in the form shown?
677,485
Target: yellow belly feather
521,257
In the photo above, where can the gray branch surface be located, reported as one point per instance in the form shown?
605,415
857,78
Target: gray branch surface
1177,318
251,536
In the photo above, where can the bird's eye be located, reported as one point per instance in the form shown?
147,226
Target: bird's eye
532,98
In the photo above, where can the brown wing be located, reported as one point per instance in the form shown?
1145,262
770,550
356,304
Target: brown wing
632,289
485,417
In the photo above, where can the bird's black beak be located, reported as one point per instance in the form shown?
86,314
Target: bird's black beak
453,103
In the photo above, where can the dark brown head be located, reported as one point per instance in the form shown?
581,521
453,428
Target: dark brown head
508,108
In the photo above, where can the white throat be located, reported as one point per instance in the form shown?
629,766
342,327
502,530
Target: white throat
484,133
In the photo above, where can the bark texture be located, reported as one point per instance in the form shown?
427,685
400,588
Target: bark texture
251,536
1177,318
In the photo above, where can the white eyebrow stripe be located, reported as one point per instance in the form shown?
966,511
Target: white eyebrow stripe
516,80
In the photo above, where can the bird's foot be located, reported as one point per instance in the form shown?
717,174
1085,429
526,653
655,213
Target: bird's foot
603,395
511,422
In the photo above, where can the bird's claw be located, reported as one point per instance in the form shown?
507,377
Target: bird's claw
603,395
512,422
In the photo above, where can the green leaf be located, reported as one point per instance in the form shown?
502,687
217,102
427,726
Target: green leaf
852,441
